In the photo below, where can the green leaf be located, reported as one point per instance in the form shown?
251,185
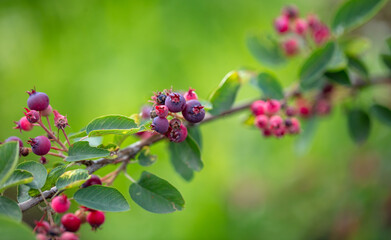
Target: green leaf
195,133
9,155
39,173
356,46
23,193
316,65
10,209
156,195
339,60
73,178
101,198
269,85
359,125
358,66
305,139
53,175
265,50
112,124
386,60
80,134
382,113
340,77
83,151
145,158
224,96
353,13
13,230
17,177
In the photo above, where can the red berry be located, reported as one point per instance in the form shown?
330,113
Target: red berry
290,47
276,122
272,106
321,34
93,180
42,227
301,26
37,101
280,132
294,125
95,219
24,125
290,12
177,134
194,112
160,125
61,204
41,236
258,107
40,145
262,121
323,107
15,139
69,236
281,24
313,21
267,132
47,111
175,102
32,116
161,111
190,95
70,222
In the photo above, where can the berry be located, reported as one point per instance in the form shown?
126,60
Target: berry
159,98
177,134
175,123
43,160
313,21
272,106
81,214
42,227
145,112
276,122
294,125
258,107
40,145
262,121
95,219
190,95
41,236
194,112
15,139
290,12
175,102
93,180
24,151
290,47
47,111
60,204
24,125
70,222
69,236
160,125
37,101
280,132
290,111
59,120
32,116
152,114
161,111
267,132
301,26
321,34
281,24
323,107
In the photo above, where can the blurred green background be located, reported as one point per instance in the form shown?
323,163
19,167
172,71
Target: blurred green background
104,57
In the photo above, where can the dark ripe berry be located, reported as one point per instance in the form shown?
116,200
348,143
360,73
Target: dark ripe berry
47,111
161,111
258,107
43,160
290,47
262,121
194,112
59,120
152,113
40,145
281,24
175,123
160,99
160,125
175,102
190,95
288,122
32,116
272,106
37,101
70,222
60,204
42,227
145,111
93,180
24,152
290,12
95,219
68,236
177,135
15,139
24,125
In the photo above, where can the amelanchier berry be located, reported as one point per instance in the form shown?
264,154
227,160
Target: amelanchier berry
301,26
177,134
272,106
161,111
258,107
70,222
290,47
60,204
93,180
175,102
43,160
190,95
32,115
160,125
281,24
40,145
42,227
68,236
24,125
47,112
290,12
38,101
95,219
15,139
159,98
59,120
194,112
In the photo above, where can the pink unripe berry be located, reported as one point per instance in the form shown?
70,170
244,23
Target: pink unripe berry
145,112
290,12
321,34
161,111
323,107
267,132
281,24
280,132
42,227
41,236
95,219
276,122
258,107
32,116
272,106
69,236
190,95
301,26
70,222
47,111
304,111
40,145
60,204
290,47
37,101
93,180
292,125
15,139
262,121
59,120
24,125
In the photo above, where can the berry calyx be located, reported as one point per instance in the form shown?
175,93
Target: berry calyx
32,115
194,112
40,145
24,125
93,180
190,95
258,107
37,101
60,121
160,125
70,222
69,236
47,111
272,106
60,204
95,219
175,102
281,24
161,111
15,139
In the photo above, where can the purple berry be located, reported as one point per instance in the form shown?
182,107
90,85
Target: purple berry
94,180
161,111
16,139
40,145
175,102
37,101
194,112
160,125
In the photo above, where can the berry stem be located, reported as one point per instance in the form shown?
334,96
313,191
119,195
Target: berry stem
50,126
57,149
66,137
48,208
52,136
56,155
129,177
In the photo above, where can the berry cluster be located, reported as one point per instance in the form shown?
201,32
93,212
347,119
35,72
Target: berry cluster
268,119
299,30
70,222
165,109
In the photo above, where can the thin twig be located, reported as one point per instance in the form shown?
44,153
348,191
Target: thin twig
66,137
52,135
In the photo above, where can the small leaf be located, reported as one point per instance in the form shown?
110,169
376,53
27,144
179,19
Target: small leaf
358,66
359,125
73,178
53,175
9,155
339,60
145,158
207,105
39,173
224,96
356,46
83,151
80,134
353,13
382,113
112,124
305,139
249,120
13,230
265,50
195,133
316,65
269,85
156,195
17,177
340,77
101,198
23,193
10,209
386,60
